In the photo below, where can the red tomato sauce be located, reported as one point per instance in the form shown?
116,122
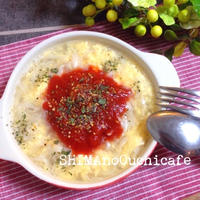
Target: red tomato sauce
84,107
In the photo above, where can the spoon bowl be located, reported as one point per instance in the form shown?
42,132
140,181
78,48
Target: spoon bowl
178,132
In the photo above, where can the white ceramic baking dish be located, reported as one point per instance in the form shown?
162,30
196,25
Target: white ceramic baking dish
159,68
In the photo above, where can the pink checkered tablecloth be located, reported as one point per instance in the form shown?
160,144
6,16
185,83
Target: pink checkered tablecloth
148,182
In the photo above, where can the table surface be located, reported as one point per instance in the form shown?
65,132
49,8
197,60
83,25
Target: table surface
26,19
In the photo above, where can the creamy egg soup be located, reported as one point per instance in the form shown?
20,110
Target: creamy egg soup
80,111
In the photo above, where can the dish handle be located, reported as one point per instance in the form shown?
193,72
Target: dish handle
163,69
5,148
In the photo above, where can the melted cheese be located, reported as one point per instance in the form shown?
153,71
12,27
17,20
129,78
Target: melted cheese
40,142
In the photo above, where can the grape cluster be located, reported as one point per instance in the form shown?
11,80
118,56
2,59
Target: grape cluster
150,18
90,11
155,30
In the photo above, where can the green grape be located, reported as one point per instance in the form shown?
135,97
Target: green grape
168,3
89,21
156,31
152,15
140,30
182,1
100,4
117,2
170,35
111,15
89,10
110,4
184,16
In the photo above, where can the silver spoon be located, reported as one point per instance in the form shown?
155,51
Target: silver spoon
178,132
